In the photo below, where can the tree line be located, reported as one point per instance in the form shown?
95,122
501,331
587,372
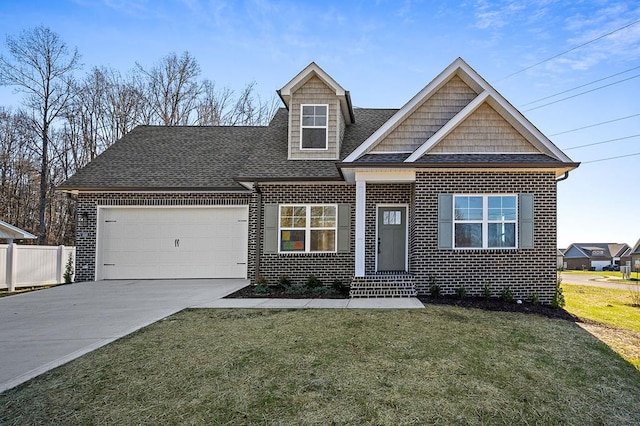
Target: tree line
67,118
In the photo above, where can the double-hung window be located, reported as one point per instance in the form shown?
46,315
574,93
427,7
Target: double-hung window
485,221
308,228
314,127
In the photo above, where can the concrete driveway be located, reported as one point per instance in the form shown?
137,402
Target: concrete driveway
43,329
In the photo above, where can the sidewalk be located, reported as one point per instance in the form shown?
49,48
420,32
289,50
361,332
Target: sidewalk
372,303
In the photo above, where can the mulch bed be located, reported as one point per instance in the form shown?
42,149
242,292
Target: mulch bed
468,302
276,292
502,306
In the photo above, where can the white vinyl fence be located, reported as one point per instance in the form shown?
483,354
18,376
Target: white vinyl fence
26,266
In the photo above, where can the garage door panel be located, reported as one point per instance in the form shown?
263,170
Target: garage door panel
173,242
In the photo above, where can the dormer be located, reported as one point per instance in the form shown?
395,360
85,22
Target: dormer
319,111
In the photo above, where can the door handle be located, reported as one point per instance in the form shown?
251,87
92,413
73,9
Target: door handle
378,245
176,242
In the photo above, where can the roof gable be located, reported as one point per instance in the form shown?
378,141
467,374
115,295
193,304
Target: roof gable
305,75
596,250
487,96
11,232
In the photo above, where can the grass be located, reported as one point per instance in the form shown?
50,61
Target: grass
441,365
610,314
4,292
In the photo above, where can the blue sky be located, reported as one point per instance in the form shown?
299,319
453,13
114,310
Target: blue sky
384,52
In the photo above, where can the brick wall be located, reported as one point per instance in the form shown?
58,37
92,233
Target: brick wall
298,266
526,271
89,202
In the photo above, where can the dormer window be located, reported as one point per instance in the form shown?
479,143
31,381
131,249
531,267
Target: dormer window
314,127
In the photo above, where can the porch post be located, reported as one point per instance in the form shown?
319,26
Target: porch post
361,203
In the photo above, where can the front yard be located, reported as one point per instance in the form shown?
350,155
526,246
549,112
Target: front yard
441,365
610,315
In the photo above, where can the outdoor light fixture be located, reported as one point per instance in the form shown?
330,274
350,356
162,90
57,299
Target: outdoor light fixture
83,219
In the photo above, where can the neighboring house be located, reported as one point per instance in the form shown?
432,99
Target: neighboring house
593,256
560,263
455,188
633,257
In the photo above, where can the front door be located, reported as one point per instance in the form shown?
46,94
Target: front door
392,238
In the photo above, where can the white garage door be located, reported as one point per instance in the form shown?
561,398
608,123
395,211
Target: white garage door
157,242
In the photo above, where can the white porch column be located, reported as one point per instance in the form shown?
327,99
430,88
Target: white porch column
361,203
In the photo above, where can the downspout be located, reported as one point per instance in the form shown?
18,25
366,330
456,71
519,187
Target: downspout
258,229
566,175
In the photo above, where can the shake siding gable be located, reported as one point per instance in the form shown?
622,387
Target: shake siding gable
427,119
315,92
484,131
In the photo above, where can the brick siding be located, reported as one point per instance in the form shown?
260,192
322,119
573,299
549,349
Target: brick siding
88,203
525,271
298,266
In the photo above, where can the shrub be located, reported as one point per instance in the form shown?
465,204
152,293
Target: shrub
68,271
261,280
434,290
261,289
535,299
284,281
337,286
486,290
461,292
313,282
506,294
558,298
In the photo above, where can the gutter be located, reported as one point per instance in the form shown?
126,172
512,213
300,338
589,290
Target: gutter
564,177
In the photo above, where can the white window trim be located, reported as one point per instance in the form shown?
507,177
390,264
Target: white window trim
325,127
307,229
484,222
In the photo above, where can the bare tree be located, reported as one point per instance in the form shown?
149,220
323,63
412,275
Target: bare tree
172,88
40,66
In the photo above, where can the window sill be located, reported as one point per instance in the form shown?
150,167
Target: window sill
310,254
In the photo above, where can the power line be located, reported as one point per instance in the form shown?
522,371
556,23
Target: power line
601,142
583,93
570,50
594,125
611,158
579,87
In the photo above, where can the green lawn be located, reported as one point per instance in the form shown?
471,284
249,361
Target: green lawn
613,309
442,365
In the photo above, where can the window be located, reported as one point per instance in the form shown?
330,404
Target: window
308,228
484,221
314,127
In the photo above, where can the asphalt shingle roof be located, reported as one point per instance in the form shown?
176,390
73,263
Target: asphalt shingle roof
269,160
181,157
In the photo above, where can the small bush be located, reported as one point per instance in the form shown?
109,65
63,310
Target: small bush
296,289
506,294
486,290
535,299
284,281
313,282
461,292
558,298
337,286
261,280
435,290
261,288
68,271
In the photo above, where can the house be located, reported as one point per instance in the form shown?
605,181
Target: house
632,257
560,258
456,188
593,256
